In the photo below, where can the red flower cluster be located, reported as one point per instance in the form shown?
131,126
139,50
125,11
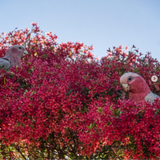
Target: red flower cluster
63,102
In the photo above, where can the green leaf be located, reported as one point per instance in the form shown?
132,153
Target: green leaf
92,125
110,108
57,65
100,110
117,113
84,77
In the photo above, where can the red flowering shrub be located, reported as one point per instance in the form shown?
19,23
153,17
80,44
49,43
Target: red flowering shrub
64,103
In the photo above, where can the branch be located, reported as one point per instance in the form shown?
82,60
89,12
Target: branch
17,148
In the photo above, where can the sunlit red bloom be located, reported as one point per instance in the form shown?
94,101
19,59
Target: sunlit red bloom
116,49
120,51
90,55
34,24
91,47
125,54
120,47
97,58
108,56
3,33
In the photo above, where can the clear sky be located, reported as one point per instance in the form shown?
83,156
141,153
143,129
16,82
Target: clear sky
101,23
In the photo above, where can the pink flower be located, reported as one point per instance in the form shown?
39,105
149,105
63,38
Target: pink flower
127,48
120,47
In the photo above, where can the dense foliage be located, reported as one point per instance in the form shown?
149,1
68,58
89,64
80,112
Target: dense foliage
64,103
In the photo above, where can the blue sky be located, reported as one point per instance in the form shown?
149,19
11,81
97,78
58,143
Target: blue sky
101,23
